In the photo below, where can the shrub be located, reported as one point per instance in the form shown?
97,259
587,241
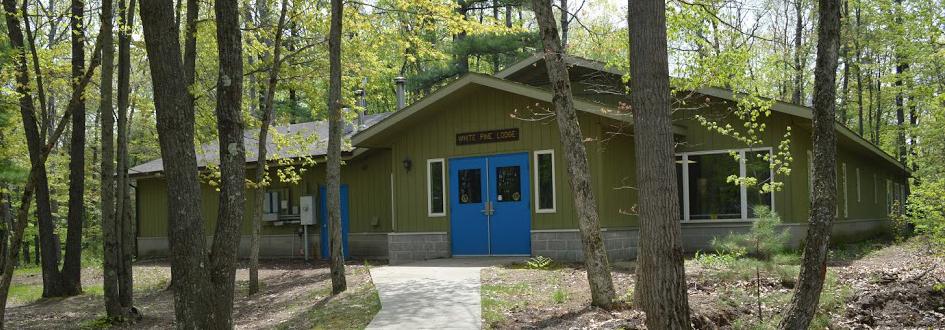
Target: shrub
926,210
539,262
559,296
720,259
762,241
628,297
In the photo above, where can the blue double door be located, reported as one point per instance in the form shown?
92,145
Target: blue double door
490,212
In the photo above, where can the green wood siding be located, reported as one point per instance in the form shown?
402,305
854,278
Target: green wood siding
485,109
431,134
793,201
369,198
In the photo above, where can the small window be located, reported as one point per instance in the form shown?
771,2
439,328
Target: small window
545,181
470,186
276,201
271,202
436,187
508,184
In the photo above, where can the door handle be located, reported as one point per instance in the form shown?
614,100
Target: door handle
488,210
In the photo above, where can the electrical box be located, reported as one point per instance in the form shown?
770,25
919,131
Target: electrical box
307,210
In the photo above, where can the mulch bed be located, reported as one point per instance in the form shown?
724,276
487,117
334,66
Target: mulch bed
893,287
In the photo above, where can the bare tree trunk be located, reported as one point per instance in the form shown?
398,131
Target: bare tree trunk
572,140
111,263
48,247
193,293
266,121
564,23
901,68
661,277
226,239
844,54
798,96
824,194
878,123
123,211
462,60
333,169
859,72
72,263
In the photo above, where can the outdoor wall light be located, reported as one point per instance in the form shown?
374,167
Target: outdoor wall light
407,164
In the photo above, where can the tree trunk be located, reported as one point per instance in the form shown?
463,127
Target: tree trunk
72,264
333,169
564,23
229,109
111,246
798,96
661,277
193,293
901,68
123,210
859,73
462,60
824,194
48,247
266,121
844,54
877,124
572,140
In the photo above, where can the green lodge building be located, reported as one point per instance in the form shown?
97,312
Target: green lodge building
476,168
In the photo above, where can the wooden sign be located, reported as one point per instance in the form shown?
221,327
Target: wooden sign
501,135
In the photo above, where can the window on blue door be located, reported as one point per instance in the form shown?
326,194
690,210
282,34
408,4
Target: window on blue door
470,186
508,184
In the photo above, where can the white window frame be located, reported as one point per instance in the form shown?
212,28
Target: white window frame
889,196
554,184
875,189
859,194
430,162
743,191
846,191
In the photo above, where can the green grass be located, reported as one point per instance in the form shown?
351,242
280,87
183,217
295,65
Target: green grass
494,302
24,293
28,270
559,296
832,301
351,310
94,290
858,250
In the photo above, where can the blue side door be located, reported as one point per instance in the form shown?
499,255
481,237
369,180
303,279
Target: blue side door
510,220
468,194
323,219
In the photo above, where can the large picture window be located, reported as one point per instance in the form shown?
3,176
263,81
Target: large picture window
545,181
436,188
705,193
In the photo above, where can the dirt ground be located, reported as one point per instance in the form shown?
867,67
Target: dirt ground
293,296
895,286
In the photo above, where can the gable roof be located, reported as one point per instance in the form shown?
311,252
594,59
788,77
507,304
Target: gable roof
536,62
315,135
477,79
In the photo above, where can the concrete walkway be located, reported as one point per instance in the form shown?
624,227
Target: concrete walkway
432,294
